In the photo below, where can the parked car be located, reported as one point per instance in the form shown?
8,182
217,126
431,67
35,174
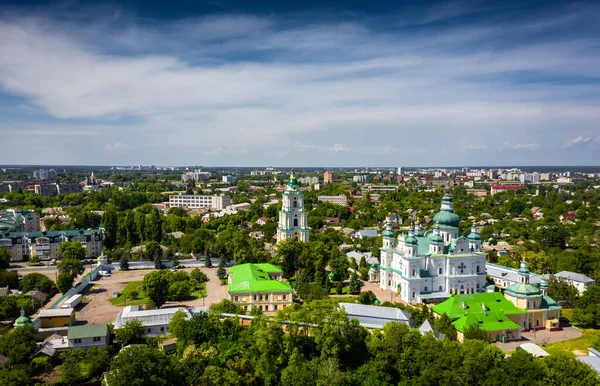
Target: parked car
53,262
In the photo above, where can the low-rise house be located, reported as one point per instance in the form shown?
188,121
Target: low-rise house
59,317
259,285
375,317
357,256
367,233
89,335
37,296
155,322
578,280
262,221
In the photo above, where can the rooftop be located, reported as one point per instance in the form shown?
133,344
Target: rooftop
87,331
375,316
578,277
56,312
255,278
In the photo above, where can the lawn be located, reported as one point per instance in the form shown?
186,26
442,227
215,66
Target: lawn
587,339
139,300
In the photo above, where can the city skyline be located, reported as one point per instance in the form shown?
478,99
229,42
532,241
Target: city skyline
230,83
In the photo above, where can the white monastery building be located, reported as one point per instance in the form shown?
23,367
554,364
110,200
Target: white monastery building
293,222
430,266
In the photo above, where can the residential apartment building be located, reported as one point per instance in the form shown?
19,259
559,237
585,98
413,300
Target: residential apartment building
340,200
19,220
362,178
259,285
45,245
196,175
55,189
194,201
44,174
328,177
308,180
228,179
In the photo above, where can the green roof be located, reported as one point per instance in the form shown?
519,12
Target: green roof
520,289
255,278
492,317
87,331
292,181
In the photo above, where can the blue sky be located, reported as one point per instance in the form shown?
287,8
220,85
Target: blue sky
281,83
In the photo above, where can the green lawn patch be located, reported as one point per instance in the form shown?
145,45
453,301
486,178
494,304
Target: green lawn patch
345,290
139,300
586,340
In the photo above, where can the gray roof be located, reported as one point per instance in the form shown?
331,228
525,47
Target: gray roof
427,327
592,361
368,233
534,349
578,277
157,317
509,274
375,316
357,255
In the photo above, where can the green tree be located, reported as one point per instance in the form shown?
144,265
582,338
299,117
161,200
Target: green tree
111,227
9,279
64,282
475,332
37,281
586,312
560,289
18,344
4,258
367,297
177,322
156,285
141,366
70,266
72,250
132,332
153,227
70,370
444,325
221,273
197,277
15,376
354,285
339,266
226,306
208,262
154,251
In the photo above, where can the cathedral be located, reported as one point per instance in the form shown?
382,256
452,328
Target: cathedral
427,267
293,221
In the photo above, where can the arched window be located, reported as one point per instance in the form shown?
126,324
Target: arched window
295,222
295,204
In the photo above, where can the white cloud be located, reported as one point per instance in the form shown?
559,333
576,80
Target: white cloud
474,147
338,147
178,88
579,140
521,146
118,146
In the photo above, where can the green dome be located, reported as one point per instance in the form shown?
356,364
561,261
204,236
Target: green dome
474,236
436,238
22,320
447,218
520,289
410,240
373,266
388,231
293,181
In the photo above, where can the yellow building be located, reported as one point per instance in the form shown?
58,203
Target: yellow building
259,285
60,317
542,310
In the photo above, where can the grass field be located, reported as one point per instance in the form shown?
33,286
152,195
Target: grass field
587,339
139,300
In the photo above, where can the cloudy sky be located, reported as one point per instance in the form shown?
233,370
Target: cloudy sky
250,83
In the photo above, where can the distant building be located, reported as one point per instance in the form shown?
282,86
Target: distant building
500,188
504,277
400,170
44,174
340,200
45,244
578,280
55,189
361,178
308,180
228,179
19,220
196,175
194,201
87,336
259,285
328,177
492,174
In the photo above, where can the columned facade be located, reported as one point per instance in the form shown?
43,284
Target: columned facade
293,222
